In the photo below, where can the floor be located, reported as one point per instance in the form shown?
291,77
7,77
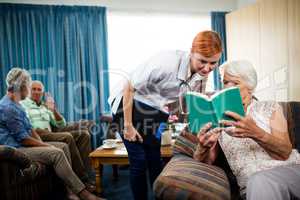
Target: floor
118,189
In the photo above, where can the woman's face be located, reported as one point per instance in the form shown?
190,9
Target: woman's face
203,65
237,81
24,91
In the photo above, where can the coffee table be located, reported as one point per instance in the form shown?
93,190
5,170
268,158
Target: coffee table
116,156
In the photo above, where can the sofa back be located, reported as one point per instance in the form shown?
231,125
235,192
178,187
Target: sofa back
291,111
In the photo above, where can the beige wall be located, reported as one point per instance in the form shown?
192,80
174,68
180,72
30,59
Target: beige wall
243,3
267,33
294,48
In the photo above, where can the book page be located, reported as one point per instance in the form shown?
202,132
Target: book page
228,100
200,112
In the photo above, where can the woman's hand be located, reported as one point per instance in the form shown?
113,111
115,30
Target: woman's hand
207,150
131,134
209,138
243,127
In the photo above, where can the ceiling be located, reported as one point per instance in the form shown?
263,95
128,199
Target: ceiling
184,6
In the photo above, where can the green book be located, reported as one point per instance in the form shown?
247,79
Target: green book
203,109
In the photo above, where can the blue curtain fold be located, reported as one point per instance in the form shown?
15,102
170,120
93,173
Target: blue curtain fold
218,24
63,46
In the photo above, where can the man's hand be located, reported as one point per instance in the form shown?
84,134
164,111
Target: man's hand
42,131
44,144
32,142
50,103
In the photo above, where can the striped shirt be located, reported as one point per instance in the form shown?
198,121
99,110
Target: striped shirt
40,116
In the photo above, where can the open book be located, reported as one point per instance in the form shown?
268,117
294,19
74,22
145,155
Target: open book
203,109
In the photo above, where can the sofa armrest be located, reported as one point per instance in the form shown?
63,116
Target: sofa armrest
12,154
73,126
289,110
14,159
106,118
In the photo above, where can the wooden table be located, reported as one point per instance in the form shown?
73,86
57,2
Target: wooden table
117,156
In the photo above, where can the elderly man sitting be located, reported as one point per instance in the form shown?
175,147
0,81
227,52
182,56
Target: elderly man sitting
45,117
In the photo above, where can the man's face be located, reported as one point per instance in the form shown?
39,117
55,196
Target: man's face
203,65
36,92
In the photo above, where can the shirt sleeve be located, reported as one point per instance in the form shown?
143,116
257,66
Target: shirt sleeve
27,109
150,71
56,123
16,123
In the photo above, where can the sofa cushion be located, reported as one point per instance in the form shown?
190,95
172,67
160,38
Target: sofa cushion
186,179
295,118
185,143
291,111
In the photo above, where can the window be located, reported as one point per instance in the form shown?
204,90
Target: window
134,37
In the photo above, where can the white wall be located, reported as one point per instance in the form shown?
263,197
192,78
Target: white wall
243,3
185,6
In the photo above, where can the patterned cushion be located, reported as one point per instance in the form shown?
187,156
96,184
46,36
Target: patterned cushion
291,111
185,143
186,179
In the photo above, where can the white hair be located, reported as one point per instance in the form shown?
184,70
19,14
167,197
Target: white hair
38,82
243,69
16,78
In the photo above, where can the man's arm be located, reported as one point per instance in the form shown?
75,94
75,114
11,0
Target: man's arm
56,118
57,115
20,128
35,135
33,142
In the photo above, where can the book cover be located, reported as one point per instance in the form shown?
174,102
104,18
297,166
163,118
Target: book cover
203,109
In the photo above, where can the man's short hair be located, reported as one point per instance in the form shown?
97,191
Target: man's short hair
38,82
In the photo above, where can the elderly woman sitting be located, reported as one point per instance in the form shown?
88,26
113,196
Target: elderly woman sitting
257,146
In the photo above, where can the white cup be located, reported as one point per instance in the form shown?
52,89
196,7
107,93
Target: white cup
109,142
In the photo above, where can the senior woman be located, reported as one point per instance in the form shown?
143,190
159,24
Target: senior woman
257,146
16,131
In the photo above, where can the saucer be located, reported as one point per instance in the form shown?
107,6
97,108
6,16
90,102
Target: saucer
109,146
119,140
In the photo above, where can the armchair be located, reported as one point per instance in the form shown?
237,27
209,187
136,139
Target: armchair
22,178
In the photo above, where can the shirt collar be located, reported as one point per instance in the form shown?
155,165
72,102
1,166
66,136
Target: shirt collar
32,102
184,71
7,99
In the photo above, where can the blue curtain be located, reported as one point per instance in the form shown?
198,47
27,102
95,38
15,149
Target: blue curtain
63,46
218,24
